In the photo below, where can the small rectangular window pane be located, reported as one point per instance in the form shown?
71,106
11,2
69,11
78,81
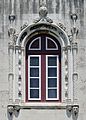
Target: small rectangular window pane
34,61
52,72
52,93
34,82
34,72
52,82
34,93
52,61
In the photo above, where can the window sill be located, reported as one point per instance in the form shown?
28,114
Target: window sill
40,105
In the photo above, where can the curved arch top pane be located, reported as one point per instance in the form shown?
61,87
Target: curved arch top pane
51,44
35,44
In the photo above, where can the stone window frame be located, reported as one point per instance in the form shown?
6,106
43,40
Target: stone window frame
17,62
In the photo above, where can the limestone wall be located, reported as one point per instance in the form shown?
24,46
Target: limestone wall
26,11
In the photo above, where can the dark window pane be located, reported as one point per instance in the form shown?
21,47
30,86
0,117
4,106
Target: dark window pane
52,61
34,61
52,93
34,72
34,93
35,44
50,44
52,82
52,72
34,82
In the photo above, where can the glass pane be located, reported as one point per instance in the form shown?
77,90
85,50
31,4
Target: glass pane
34,93
52,72
52,61
35,44
34,82
51,44
52,93
52,82
34,72
34,61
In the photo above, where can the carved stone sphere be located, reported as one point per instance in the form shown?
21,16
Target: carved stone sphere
43,11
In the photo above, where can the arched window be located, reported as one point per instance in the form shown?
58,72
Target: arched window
43,68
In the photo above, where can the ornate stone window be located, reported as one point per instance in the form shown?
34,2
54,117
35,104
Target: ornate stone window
42,63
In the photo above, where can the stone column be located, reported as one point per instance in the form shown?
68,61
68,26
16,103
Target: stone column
11,33
74,32
11,75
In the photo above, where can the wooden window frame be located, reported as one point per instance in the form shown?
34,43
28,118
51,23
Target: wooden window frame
43,55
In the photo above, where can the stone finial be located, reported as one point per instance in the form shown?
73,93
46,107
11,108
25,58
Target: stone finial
43,11
43,15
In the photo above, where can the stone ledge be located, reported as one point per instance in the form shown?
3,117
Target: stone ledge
40,105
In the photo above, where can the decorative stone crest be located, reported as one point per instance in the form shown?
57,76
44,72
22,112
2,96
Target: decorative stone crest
43,15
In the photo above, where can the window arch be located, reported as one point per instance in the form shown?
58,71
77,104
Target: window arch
43,69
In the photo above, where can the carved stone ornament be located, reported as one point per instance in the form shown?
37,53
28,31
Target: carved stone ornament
13,36
12,17
24,26
10,109
43,15
11,31
62,26
73,109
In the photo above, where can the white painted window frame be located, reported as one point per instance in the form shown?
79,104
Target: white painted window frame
29,56
52,77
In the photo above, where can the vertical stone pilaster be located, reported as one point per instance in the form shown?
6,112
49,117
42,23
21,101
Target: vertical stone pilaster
11,75
74,32
70,82
64,90
23,75
75,74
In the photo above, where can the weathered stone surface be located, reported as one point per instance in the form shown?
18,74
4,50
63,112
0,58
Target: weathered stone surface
27,11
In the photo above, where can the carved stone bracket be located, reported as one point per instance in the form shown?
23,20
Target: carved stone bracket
72,110
12,108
